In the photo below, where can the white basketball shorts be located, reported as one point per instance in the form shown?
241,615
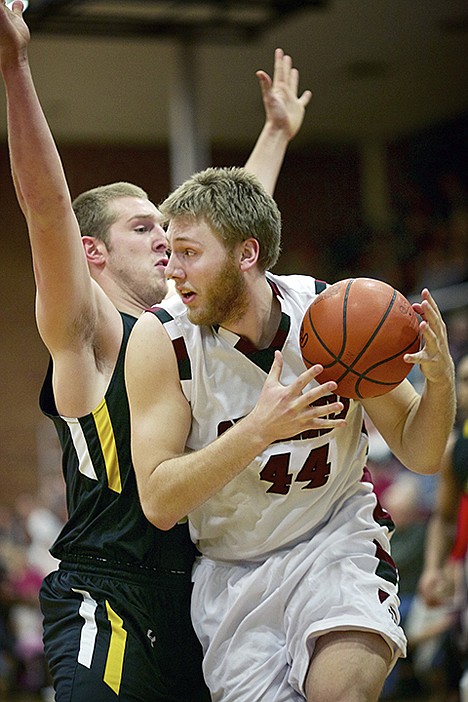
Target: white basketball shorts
258,622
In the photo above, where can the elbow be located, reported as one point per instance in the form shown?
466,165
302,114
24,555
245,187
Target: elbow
422,467
163,523
429,469
425,460
433,468
158,516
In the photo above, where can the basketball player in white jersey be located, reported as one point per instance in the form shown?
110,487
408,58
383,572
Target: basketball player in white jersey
295,594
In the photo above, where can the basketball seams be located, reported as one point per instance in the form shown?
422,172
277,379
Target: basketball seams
365,347
375,332
353,314
345,317
394,356
335,358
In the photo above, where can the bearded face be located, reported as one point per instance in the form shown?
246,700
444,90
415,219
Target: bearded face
224,299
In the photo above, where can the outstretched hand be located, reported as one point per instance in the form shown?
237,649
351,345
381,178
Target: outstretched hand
283,411
283,108
434,357
14,33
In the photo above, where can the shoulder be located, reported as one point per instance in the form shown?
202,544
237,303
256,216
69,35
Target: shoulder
302,288
173,317
169,309
150,358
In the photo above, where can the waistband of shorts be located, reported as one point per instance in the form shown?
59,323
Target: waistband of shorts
119,569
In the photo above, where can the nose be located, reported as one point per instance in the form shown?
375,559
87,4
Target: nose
173,270
159,242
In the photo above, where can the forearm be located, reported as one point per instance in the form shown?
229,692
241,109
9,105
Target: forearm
179,485
427,427
433,584
172,485
36,166
267,156
439,541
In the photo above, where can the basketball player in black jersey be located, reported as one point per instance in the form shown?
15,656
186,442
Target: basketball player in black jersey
116,612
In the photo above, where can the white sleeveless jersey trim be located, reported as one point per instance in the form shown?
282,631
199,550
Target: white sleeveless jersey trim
284,494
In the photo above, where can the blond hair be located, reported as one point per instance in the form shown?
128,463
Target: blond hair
236,207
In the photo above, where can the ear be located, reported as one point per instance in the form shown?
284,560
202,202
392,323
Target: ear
95,250
249,253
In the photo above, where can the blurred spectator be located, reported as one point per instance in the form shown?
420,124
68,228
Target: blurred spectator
7,658
454,194
457,326
40,527
403,499
21,595
443,581
26,532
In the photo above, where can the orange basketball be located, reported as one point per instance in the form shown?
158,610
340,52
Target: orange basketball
359,329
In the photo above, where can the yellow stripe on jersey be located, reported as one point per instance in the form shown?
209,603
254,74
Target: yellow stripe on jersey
115,655
109,449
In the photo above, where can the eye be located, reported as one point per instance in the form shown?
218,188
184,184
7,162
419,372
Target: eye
142,228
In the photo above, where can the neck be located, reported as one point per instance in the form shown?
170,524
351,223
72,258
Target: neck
119,298
128,308
260,322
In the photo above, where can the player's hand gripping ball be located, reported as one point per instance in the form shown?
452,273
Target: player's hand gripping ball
359,330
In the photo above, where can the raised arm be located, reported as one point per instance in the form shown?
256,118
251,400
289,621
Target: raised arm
284,114
65,292
78,323
172,484
417,427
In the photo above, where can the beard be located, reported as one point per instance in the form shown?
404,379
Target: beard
225,299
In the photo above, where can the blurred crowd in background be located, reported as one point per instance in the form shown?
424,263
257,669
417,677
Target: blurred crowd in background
425,244
27,530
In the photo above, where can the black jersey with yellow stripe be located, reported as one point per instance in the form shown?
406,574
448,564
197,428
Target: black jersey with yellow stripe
106,524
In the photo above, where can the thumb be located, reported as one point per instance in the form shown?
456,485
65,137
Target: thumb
305,98
264,81
17,7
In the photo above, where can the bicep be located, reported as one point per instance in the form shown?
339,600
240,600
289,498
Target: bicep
160,414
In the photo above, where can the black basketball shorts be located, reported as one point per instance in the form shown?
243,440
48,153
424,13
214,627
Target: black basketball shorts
120,636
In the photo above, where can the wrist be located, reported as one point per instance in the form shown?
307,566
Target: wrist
14,60
280,132
254,434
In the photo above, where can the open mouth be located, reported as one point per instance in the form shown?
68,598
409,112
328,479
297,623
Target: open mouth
187,296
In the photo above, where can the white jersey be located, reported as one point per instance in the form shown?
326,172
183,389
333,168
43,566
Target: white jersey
294,485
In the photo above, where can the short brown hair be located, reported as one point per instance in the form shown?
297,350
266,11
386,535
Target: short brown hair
92,209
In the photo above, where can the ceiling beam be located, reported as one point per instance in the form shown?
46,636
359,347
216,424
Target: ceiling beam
201,20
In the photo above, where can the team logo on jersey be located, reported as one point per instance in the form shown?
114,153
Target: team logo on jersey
151,637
